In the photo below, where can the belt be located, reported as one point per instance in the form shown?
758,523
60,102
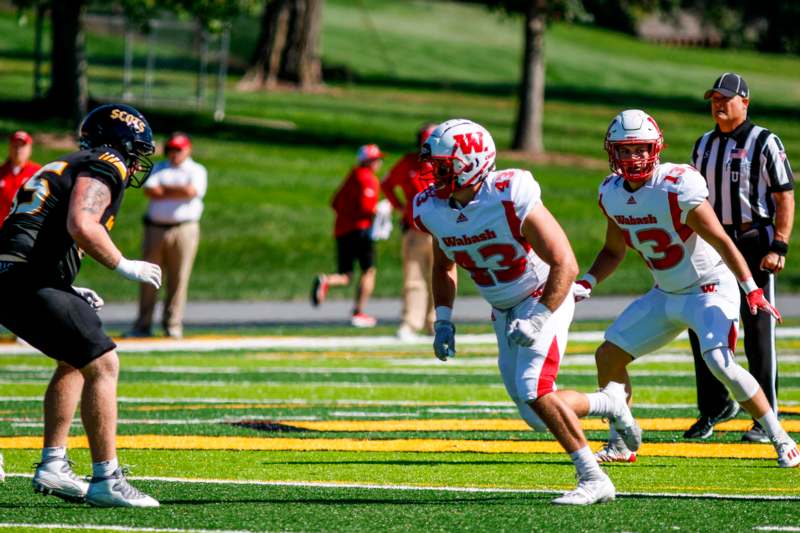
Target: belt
747,229
165,225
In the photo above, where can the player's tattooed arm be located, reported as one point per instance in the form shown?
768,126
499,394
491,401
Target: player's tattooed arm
90,198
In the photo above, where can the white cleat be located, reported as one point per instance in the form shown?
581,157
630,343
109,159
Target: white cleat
623,420
2,472
788,453
589,491
56,478
615,452
115,491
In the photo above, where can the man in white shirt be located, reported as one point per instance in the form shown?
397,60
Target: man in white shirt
172,233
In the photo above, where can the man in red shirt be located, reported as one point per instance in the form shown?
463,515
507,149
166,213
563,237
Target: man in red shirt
412,176
16,170
355,204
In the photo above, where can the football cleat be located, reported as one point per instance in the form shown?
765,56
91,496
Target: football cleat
362,320
703,428
755,434
788,453
615,452
2,472
623,420
319,290
589,491
55,477
115,491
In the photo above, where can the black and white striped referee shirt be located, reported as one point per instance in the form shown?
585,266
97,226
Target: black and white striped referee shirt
742,169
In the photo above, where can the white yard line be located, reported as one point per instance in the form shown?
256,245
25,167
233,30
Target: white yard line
264,342
484,490
46,372
212,402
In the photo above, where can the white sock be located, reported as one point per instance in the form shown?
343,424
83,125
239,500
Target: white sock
771,425
105,468
55,452
585,463
599,404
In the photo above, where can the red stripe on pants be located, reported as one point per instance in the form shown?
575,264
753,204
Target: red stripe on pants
549,370
732,334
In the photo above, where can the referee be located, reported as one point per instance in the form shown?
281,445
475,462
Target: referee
750,185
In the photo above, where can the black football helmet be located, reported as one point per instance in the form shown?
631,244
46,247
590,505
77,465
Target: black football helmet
124,129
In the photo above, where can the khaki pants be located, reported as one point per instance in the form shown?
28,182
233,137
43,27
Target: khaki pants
174,249
418,311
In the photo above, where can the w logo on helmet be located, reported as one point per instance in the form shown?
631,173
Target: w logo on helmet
469,142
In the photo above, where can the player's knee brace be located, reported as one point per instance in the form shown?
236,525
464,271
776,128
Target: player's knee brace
529,415
739,381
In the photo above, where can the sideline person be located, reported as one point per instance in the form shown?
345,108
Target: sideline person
171,233
355,204
751,187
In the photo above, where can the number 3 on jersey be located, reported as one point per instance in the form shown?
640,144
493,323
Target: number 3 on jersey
513,266
669,254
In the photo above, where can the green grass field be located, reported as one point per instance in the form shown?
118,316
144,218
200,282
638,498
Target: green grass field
389,439
277,158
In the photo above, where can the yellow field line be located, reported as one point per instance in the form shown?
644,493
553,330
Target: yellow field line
200,442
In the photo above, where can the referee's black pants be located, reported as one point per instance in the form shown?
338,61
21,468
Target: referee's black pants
759,337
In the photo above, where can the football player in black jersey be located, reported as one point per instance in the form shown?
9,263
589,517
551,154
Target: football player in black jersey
61,213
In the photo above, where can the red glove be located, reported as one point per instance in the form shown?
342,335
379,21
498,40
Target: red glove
756,301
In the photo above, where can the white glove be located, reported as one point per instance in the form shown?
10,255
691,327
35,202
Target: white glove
141,271
91,297
444,340
524,331
582,289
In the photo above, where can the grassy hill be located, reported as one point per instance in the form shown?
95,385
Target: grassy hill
278,156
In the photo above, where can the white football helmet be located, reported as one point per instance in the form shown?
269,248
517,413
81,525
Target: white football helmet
461,152
633,126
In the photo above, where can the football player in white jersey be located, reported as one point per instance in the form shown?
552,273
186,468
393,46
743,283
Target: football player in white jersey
494,225
660,210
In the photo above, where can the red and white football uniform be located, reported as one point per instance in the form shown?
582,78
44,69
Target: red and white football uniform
694,288
485,238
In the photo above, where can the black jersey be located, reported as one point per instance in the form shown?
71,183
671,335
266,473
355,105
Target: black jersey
35,232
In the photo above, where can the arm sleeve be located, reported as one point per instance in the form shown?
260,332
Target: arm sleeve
776,165
692,191
392,181
525,193
369,193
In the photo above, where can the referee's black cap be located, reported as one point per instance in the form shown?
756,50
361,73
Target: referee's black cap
729,84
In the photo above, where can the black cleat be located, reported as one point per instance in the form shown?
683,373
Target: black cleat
703,428
756,434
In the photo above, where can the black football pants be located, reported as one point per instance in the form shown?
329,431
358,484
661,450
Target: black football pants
759,341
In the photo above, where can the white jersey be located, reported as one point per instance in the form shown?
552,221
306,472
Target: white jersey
653,219
485,236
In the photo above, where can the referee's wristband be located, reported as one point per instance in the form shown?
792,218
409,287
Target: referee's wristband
779,247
